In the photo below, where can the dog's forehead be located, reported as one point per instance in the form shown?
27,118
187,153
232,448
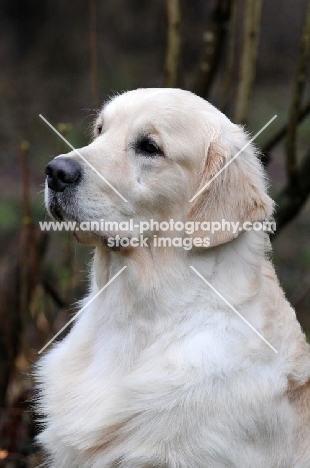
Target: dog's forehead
167,106
148,101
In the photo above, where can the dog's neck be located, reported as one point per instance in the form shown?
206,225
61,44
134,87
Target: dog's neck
156,270
158,290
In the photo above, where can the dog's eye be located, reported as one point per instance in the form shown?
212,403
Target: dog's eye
99,128
148,147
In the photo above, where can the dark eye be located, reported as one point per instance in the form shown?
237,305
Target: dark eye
148,147
99,128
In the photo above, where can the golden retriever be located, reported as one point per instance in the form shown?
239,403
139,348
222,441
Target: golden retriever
159,371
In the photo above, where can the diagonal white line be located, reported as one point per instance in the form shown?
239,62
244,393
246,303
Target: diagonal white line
231,160
83,308
81,156
235,310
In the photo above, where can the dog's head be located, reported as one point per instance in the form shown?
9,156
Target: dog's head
153,150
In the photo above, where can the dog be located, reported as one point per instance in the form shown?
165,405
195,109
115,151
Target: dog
181,357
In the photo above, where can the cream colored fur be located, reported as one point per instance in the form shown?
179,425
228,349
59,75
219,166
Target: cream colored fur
158,372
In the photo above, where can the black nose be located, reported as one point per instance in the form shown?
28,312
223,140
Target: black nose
62,173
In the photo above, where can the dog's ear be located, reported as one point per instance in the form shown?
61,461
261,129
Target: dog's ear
236,193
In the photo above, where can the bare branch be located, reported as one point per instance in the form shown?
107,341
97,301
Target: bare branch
93,53
299,84
12,323
230,55
173,55
25,240
213,39
291,203
23,153
252,17
279,134
49,289
301,291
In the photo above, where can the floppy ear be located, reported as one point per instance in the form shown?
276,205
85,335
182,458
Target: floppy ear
237,194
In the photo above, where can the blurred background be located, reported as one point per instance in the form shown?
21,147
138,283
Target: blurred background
63,60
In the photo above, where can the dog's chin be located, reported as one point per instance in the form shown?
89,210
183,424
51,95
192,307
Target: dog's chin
103,240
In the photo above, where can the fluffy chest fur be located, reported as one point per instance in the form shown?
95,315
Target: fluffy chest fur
171,379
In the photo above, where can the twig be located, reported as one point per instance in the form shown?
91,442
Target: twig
93,53
173,54
299,84
230,55
17,285
25,247
279,134
23,148
64,129
213,39
301,292
12,324
53,293
289,206
251,31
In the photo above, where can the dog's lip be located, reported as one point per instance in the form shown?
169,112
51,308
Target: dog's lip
56,210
